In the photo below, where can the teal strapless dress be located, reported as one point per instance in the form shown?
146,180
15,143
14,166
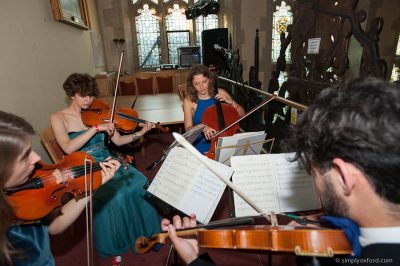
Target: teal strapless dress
122,209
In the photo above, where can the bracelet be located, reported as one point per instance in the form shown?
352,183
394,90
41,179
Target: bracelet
134,137
97,128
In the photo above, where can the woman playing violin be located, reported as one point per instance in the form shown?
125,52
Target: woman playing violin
200,95
122,209
28,244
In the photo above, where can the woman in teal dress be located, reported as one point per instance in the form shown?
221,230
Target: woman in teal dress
200,95
28,244
122,208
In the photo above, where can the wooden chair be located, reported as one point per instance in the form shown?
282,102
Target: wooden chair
49,142
165,84
182,91
128,87
144,85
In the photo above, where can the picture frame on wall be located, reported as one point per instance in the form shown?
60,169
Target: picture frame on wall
72,12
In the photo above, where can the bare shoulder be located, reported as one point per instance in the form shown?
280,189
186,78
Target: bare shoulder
188,102
58,116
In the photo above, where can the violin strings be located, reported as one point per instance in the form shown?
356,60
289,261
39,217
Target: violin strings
76,172
128,117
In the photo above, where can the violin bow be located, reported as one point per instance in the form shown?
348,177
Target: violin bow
89,211
116,86
273,96
278,98
181,140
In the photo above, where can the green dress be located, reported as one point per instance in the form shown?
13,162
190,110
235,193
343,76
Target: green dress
122,209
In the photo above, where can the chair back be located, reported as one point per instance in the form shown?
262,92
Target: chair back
165,84
128,87
182,91
49,142
144,85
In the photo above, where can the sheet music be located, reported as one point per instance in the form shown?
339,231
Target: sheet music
274,183
255,177
223,155
295,187
188,185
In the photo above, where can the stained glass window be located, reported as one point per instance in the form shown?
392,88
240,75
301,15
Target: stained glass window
396,67
148,36
398,47
205,23
177,32
282,17
152,27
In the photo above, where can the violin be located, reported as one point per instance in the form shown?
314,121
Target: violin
303,241
52,185
125,119
144,244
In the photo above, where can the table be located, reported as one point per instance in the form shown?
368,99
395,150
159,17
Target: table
164,108
158,101
122,101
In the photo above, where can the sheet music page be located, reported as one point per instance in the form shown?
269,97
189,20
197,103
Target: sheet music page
190,135
255,176
287,187
188,185
255,145
296,188
223,155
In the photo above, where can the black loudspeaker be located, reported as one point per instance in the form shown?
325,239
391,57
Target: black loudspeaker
210,56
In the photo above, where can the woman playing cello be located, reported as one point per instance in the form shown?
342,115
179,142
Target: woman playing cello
200,95
122,207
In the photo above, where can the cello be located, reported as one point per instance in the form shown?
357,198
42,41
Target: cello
218,116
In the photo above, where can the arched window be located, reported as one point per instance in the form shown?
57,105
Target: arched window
148,37
205,23
177,32
161,27
282,17
396,67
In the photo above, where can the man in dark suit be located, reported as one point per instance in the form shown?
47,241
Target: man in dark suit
349,140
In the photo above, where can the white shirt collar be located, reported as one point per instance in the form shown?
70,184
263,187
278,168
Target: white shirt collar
372,235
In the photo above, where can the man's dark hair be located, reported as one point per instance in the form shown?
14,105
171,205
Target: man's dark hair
359,122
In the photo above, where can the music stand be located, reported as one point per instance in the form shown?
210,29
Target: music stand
191,135
246,148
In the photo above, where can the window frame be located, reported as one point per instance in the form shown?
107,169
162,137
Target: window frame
161,12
